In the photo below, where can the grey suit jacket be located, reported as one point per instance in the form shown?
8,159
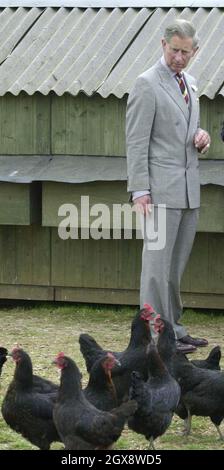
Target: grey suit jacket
159,139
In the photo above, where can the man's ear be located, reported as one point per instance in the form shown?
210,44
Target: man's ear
164,43
195,50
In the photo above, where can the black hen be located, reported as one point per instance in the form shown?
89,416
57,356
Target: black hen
3,357
157,398
80,424
140,336
100,390
168,352
28,404
175,362
166,342
211,362
202,392
134,357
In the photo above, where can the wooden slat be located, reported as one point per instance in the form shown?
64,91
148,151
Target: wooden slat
8,125
131,297
107,296
207,301
41,124
26,292
59,135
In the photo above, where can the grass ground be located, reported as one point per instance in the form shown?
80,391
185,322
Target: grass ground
44,330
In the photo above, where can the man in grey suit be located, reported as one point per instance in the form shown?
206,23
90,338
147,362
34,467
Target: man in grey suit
163,140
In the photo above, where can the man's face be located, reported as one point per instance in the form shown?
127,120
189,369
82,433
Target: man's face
178,52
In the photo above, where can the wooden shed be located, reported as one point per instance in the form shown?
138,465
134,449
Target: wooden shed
66,68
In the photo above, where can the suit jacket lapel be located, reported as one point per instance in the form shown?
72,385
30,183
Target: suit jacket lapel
169,85
194,104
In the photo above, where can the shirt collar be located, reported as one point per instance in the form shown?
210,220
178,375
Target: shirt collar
163,62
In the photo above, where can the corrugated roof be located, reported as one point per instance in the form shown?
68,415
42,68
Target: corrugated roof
112,3
82,169
100,50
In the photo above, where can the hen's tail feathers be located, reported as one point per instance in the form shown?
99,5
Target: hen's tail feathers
3,358
90,350
212,361
214,355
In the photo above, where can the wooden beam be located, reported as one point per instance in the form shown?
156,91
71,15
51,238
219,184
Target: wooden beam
26,292
107,296
131,297
198,300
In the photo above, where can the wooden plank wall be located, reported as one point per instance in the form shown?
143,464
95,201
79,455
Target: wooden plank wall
80,125
35,263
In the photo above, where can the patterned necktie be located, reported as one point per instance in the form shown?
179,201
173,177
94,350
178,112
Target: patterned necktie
183,88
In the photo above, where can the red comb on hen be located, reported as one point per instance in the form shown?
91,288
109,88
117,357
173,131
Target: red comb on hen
16,348
60,354
150,312
110,355
148,308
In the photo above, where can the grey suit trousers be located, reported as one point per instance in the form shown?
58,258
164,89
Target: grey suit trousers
162,270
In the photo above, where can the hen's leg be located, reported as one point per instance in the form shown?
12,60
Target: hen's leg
151,444
220,432
187,424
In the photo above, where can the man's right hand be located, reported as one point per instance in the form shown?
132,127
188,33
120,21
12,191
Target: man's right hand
143,204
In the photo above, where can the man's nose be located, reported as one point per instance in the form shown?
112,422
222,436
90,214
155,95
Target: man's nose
179,55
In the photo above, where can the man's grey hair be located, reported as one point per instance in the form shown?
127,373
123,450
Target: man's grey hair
183,29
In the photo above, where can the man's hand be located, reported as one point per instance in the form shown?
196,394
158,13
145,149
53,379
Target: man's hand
202,140
143,204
